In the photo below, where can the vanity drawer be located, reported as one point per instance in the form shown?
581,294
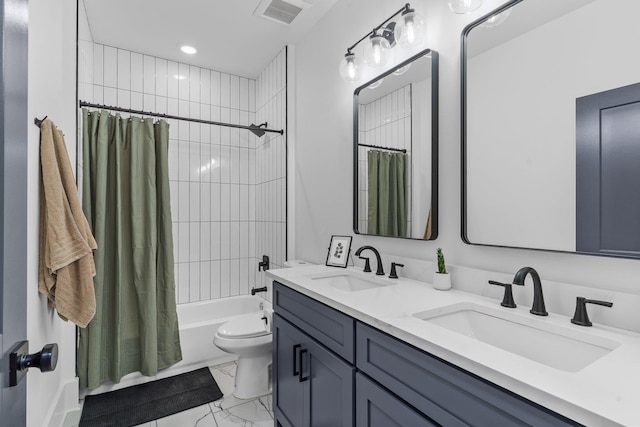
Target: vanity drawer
333,329
377,407
443,392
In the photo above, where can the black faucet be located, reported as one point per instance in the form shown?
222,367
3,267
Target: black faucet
379,270
256,290
264,264
580,317
367,266
394,274
507,299
538,299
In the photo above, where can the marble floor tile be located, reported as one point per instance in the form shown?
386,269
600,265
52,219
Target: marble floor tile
224,376
201,416
250,414
267,402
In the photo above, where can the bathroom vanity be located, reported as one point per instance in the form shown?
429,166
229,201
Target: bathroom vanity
351,348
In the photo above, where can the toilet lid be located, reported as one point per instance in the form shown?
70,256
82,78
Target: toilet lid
244,326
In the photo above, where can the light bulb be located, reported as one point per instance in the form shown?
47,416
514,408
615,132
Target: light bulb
464,6
496,19
410,28
350,67
376,52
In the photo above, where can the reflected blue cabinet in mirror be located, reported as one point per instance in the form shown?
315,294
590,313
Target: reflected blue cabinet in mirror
527,168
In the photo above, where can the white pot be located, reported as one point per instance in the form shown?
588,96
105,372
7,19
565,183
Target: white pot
442,281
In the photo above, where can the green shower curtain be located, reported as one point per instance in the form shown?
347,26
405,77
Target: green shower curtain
387,194
125,197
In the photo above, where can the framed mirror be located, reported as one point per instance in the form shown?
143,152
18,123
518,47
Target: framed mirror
551,127
395,141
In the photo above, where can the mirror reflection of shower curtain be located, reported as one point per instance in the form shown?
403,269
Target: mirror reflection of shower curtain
126,200
387,194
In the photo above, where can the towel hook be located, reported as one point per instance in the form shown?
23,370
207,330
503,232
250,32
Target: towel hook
38,122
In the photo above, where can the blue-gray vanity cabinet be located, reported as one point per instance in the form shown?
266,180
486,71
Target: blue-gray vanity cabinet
445,393
313,376
317,351
376,407
330,327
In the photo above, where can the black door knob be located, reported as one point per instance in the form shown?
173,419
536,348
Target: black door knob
46,359
20,360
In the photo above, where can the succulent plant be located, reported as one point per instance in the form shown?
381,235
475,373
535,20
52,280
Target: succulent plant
442,269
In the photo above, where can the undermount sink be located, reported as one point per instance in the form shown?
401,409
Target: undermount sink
349,281
559,347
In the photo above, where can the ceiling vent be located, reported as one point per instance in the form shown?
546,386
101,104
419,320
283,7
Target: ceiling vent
282,11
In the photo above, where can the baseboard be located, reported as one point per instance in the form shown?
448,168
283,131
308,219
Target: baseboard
66,400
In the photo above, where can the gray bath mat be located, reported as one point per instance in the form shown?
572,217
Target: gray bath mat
147,402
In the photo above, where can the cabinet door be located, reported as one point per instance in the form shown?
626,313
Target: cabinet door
376,407
329,387
313,386
288,396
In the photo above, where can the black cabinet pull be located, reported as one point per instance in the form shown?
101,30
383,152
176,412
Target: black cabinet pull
295,359
301,377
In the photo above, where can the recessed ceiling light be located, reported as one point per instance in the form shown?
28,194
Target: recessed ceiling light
189,50
179,77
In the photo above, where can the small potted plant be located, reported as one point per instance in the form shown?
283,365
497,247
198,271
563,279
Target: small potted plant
441,279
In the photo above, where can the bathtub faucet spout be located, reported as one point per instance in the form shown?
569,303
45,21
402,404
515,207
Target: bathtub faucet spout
256,290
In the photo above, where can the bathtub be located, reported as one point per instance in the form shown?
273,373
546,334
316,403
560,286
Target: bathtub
198,323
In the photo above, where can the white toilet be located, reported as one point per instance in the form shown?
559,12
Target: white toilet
249,336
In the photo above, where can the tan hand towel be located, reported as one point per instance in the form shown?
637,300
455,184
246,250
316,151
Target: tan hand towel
66,267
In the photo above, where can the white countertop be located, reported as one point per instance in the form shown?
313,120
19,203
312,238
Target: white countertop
604,393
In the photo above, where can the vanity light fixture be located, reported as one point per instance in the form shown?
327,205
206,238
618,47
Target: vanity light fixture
410,28
376,52
408,31
350,67
464,6
189,50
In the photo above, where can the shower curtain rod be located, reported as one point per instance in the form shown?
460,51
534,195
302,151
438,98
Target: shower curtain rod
256,129
400,150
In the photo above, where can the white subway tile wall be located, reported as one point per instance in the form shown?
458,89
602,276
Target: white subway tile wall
227,186
384,122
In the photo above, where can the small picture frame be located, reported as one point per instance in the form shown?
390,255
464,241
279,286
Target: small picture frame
339,249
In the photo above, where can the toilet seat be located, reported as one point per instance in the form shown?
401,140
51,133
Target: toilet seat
244,326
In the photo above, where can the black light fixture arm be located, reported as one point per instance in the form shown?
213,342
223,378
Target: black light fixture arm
405,8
